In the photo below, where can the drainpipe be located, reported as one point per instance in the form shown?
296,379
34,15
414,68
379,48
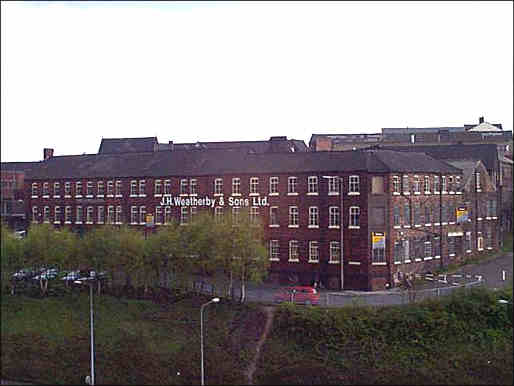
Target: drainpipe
441,263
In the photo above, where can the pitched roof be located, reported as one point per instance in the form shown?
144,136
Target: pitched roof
123,145
18,166
221,162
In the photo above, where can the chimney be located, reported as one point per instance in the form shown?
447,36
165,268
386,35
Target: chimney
480,120
278,138
47,153
170,145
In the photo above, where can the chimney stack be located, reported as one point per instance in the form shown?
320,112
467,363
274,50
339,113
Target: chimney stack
47,153
480,120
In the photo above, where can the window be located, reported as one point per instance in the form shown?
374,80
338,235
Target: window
416,185
193,186
467,242
292,185
142,186
100,188
428,249
477,181
142,214
444,213
443,184
183,215
398,253
218,214
57,190
412,138
312,185
118,188
89,215
57,215
110,188
377,185
406,214
67,215
34,189
334,217
293,250
274,250
273,185
427,215
396,216
89,189
78,189
133,214
450,184
437,214
378,249
313,217
354,216
406,250
78,217
491,208
333,185
480,241
67,189
183,186
427,184
406,184
313,252
354,185
45,189
158,214
293,216
436,184
451,246
236,210
236,186
34,214
396,184
167,187
488,238
193,213
157,190
218,186
133,188
167,215
254,185
46,214
110,214
417,214
254,215
335,252
273,216
118,214
101,215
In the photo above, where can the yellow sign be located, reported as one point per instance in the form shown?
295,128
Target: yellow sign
462,215
149,219
378,239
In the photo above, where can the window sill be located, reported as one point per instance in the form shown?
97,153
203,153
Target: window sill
312,193
437,257
46,196
417,193
313,261
354,263
428,258
407,261
67,196
89,196
379,263
57,196
274,225
468,250
451,254
157,195
100,222
133,195
292,193
333,262
313,227
33,196
78,222
406,193
119,195
406,226
479,219
293,226
67,222
218,194
427,193
458,193
99,196
293,261
354,193
397,227
417,260
274,259
333,193
334,227
396,193
397,262
142,195
57,222
273,194
417,226
354,227
428,224
89,222
254,194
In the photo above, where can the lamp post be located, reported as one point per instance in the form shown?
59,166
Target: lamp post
91,328
214,300
341,216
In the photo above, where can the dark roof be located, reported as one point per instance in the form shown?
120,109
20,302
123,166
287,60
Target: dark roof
221,162
18,166
487,153
123,145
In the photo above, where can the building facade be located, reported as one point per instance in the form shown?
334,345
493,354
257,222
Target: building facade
383,213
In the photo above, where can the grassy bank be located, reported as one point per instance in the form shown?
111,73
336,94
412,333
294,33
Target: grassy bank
463,339
137,342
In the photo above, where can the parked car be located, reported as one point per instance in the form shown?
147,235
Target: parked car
25,273
47,274
72,275
298,295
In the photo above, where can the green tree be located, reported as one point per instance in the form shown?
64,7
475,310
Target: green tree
128,251
11,250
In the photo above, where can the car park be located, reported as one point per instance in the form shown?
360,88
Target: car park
298,295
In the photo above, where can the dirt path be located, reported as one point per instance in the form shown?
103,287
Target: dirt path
253,365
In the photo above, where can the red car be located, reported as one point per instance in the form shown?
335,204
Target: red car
298,295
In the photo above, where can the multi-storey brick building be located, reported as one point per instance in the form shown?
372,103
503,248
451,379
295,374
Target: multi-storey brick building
378,210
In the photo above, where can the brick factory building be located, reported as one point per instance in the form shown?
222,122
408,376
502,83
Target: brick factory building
385,213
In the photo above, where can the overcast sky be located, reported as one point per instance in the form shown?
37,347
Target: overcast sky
75,72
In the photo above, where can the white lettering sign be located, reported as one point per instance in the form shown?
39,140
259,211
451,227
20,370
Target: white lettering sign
169,200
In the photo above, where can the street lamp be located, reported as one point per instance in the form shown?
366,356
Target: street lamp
341,216
214,300
91,379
